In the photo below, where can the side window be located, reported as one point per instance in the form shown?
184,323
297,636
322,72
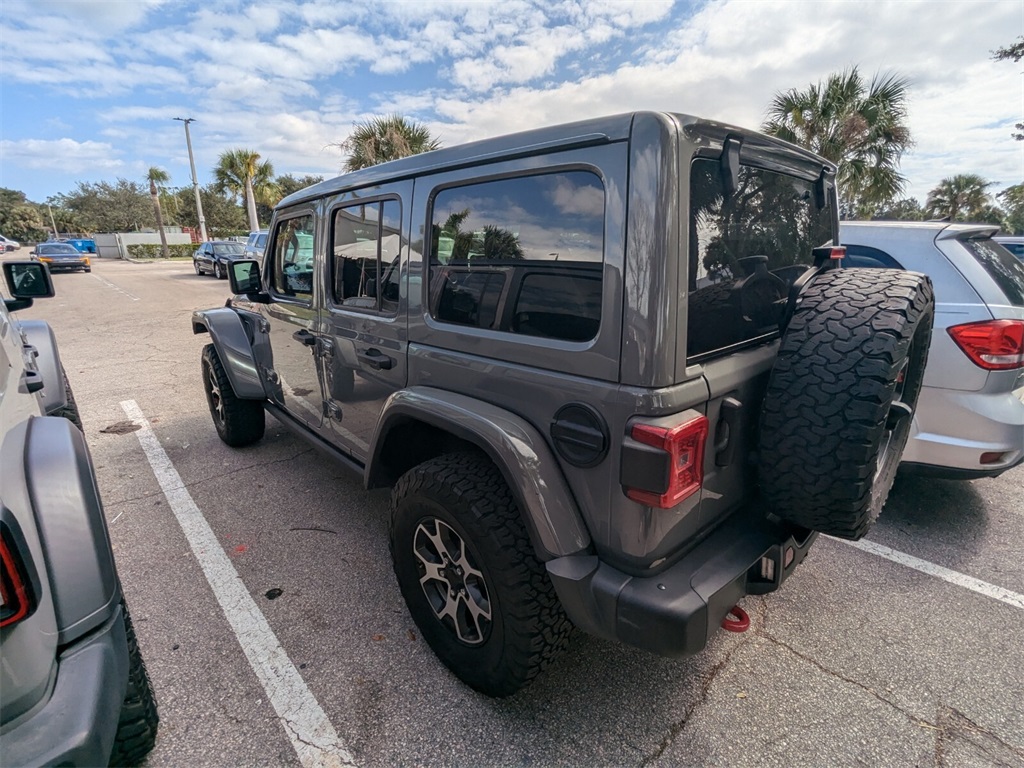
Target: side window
865,256
292,262
521,255
366,246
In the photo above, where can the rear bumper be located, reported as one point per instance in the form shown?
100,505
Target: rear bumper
675,612
78,723
952,429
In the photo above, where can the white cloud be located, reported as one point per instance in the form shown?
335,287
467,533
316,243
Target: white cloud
61,154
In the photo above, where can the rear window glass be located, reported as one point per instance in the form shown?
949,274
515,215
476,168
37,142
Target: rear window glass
745,251
1006,270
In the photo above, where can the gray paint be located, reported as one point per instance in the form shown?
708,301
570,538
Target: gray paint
229,336
522,455
39,334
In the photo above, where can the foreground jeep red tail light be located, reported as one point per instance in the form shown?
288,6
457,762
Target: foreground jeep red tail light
995,345
680,454
15,596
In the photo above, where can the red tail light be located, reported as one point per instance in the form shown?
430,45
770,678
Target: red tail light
995,345
15,595
683,446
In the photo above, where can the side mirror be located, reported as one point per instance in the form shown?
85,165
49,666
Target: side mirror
27,280
244,276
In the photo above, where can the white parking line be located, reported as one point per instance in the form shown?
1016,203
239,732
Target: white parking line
117,288
953,577
313,737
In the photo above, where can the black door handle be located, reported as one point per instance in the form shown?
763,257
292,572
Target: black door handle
305,337
376,359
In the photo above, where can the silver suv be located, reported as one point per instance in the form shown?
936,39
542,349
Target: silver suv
74,686
970,417
607,374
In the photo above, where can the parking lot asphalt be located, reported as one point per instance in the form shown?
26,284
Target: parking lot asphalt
857,660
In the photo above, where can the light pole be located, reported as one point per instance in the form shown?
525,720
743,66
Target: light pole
195,181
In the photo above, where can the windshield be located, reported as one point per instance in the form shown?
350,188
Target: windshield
56,249
226,249
745,250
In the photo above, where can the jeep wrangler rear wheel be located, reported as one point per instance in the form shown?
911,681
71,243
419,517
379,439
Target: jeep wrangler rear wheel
468,573
841,396
238,422
136,727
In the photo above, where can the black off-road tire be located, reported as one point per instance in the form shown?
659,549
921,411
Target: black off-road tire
137,725
70,410
239,422
840,398
465,496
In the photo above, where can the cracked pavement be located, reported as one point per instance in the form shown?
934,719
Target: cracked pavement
855,661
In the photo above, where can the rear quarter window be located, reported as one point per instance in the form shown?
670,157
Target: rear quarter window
1003,267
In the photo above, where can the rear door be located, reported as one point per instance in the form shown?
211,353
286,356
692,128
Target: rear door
745,250
365,310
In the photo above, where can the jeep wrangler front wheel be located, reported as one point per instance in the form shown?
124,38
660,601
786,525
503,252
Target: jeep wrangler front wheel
841,397
239,422
469,574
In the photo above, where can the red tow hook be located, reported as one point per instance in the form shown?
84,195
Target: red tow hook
736,620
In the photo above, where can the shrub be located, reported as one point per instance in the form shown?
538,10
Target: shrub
154,250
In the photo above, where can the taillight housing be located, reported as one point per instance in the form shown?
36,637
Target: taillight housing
15,589
995,345
675,468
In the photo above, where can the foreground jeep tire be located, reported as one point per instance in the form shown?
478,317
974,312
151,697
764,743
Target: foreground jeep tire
70,410
840,398
238,422
137,725
469,574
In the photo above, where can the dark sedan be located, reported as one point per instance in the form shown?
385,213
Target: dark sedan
214,256
61,256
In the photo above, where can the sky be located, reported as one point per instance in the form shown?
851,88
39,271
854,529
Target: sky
89,89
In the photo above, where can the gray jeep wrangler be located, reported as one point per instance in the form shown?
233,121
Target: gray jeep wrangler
73,685
608,370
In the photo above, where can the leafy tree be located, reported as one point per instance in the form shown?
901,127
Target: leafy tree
223,215
286,184
240,172
1012,199
860,127
158,177
907,209
20,219
381,139
104,207
1014,52
963,197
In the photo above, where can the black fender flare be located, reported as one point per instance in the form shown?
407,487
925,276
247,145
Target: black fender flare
39,335
231,340
47,474
519,451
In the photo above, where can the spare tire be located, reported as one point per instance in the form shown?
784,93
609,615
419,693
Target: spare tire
841,396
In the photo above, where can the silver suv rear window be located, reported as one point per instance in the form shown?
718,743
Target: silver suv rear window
1005,270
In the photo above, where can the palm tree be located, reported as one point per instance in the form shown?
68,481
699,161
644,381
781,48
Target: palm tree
960,198
381,139
157,178
861,128
240,172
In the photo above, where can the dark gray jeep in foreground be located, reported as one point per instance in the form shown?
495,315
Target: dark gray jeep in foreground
73,686
608,369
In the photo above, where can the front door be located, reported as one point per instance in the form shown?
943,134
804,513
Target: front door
366,333
293,371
